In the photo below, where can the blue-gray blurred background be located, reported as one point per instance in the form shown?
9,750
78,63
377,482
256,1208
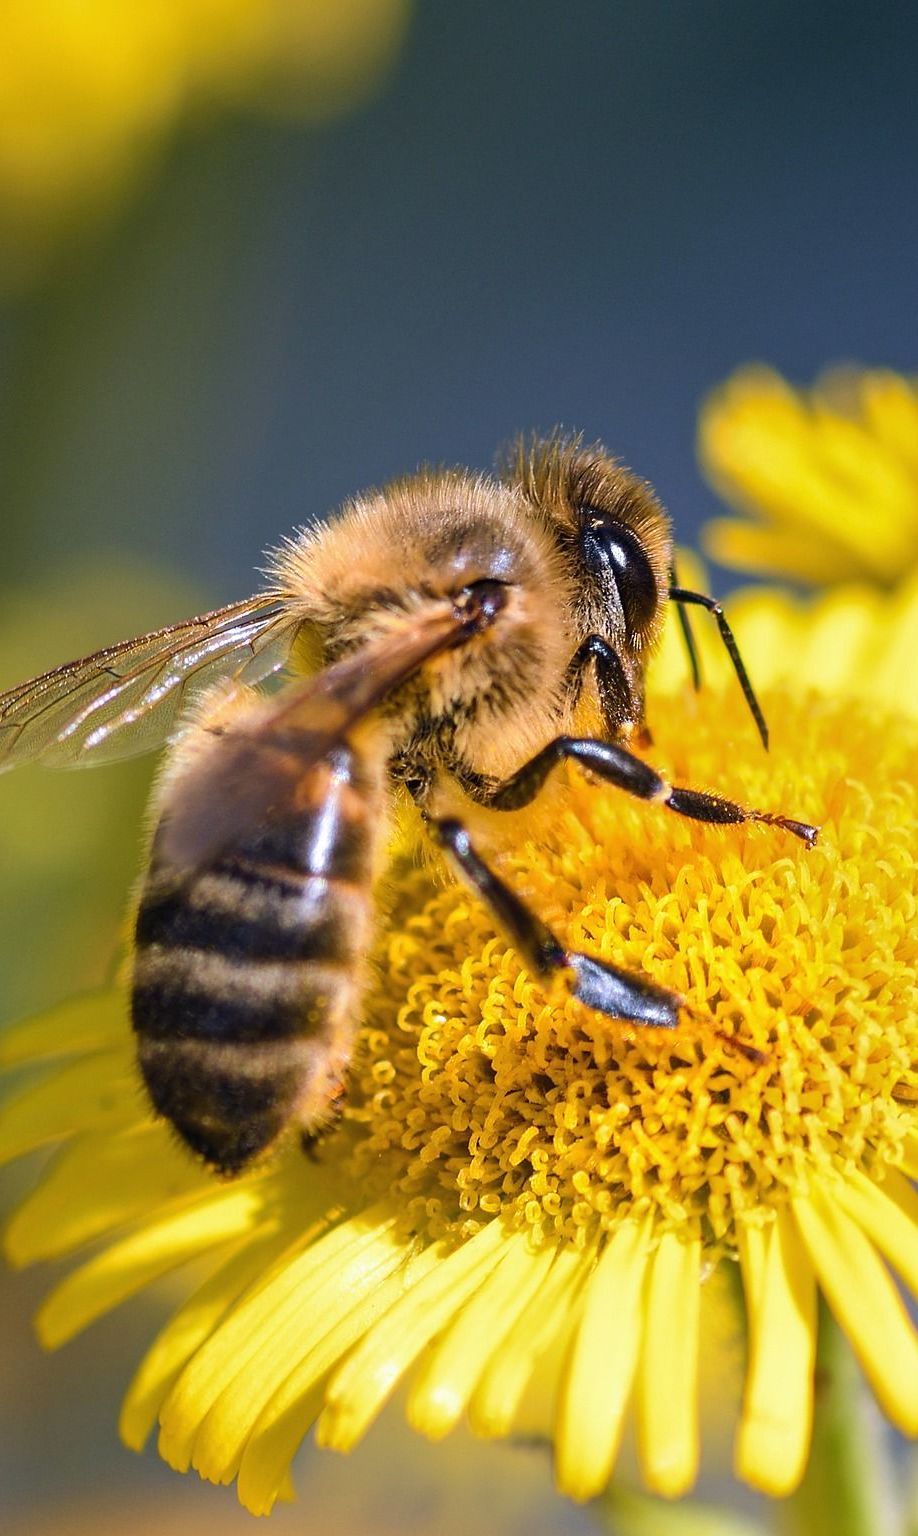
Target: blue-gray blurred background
522,213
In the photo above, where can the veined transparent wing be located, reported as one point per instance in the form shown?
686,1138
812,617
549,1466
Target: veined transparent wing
256,767
125,699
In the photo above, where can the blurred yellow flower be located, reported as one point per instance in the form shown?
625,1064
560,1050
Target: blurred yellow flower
523,1199
829,476
88,88
854,641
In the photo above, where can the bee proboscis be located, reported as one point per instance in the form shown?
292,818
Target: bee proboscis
456,621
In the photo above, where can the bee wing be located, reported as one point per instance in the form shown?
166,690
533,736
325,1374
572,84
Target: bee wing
252,771
124,700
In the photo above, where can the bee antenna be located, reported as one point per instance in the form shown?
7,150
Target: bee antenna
682,596
686,628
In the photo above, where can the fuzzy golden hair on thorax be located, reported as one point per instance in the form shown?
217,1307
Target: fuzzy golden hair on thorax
426,534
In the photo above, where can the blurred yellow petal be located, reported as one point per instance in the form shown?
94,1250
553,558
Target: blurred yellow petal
852,642
88,1023
125,1268
836,637
894,647
295,1405
369,1376
831,475
667,1379
332,1297
888,1214
92,1092
495,1402
90,88
241,1348
890,407
866,1305
773,1439
323,57
441,1391
593,1401
129,1173
187,1330
781,551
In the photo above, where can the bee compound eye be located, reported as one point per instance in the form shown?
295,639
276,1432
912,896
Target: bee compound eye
612,552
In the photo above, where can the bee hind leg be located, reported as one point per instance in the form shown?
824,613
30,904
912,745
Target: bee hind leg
617,993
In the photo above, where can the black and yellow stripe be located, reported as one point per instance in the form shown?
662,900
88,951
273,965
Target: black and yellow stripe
247,974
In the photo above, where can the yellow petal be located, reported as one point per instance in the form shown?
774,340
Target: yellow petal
774,1434
496,1400
600,1369
187,1331
794,552
98,1183
890,406
289,1412
441,1391
96,1092
239,1349
88,1023
360,1388
866,1304
837,635
320,1306
770,626
122,1270
818,465
667,1381
753,1253
893,678
889,1216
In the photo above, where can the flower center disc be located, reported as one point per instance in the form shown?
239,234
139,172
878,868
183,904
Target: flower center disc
480,1090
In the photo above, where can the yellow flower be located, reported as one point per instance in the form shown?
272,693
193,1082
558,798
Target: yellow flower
854,641
829,475
88,88
523,1200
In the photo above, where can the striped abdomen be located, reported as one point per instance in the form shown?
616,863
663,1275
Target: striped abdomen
248,972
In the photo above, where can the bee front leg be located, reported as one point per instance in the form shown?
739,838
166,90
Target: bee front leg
616,765
620,994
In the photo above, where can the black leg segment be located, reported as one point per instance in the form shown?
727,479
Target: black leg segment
617,699
685,625
681,595
611,991
616,765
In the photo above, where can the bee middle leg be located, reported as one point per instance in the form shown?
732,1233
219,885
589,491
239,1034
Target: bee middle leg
618,993
616,765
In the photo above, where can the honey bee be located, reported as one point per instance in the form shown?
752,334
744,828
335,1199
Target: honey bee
453,621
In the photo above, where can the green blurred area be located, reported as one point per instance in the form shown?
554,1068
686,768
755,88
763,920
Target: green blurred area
70,842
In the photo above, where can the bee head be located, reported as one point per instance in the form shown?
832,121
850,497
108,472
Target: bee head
616,541
613,530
